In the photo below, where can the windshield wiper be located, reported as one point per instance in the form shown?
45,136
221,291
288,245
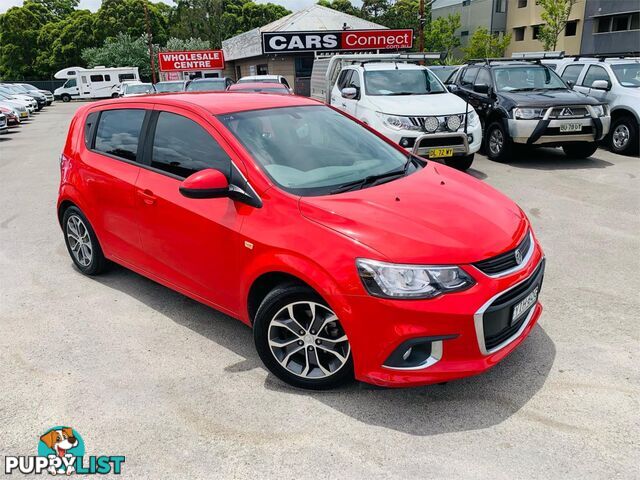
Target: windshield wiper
524,89
405,93
359,184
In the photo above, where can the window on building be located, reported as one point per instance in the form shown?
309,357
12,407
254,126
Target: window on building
536,31
262,69
522,3
464,33
182,147
571,28
466,3
635,21
501,6
238,72
518,34
118,132
571,73
617,23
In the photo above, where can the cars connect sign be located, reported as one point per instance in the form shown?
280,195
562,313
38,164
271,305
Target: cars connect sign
287,42
190,61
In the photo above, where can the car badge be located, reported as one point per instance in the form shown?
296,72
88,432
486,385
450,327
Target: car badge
566,112
518,257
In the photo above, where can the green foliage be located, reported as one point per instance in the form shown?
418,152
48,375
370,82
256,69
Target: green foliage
374,9
483,44
344,6
179,44
440,36
123,50
128,16
57,8
555,14
402,14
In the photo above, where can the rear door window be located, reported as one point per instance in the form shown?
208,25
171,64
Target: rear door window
118,132
181,147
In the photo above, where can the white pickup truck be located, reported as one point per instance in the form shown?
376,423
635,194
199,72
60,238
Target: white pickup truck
402,100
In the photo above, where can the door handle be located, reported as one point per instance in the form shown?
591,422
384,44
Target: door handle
344,105
147,196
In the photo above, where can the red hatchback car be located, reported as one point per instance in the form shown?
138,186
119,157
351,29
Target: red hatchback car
347,255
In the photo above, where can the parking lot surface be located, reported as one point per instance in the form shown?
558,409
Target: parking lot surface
178,388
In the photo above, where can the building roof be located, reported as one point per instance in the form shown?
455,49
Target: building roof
444,3
314,18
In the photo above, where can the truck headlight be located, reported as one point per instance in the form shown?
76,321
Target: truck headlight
527,113
397,122
389,280
599,110
473,120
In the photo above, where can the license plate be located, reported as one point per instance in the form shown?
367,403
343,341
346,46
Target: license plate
570,127
525,304
23,114
440,152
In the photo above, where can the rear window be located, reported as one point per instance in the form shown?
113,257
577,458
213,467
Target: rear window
119,131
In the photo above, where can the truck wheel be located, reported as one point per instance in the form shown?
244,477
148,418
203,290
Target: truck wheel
65,97
460,163
623,138
580,150
499,145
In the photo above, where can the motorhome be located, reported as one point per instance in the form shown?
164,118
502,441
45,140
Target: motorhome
97,82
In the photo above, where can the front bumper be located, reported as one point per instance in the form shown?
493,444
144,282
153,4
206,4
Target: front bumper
546,131
377,327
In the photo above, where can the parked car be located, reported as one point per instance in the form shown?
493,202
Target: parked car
30,88
4,125
525,103
209,84
616,82
37,96
170,86
135,89
261,87
345,253
402,100
446,73
13,116
265,79
26,100
23,106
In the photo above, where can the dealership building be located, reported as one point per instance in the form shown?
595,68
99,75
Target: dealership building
292,42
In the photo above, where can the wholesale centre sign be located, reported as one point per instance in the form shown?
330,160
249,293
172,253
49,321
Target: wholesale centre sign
288,42
191,61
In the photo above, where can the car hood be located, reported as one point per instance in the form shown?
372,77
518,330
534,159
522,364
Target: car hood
434,216
550,98
418,105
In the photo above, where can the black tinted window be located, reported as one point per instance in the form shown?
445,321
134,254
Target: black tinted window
119,131
342,80
96,78
183,147
88,128
483,78
468,76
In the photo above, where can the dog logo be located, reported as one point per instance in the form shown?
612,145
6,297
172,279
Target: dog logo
63,443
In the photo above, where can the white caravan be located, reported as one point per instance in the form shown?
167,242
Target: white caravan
98,82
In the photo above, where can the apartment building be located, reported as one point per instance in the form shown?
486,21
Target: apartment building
611,27
524,21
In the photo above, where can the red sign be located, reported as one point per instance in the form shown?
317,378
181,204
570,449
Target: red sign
279,42
191,61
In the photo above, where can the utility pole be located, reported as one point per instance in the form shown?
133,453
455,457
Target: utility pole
152,59
422,23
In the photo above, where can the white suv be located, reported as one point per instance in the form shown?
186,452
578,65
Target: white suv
615,81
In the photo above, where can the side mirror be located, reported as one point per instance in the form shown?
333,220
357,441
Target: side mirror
453,88
207,183
349,93
601,85
571,84
481,88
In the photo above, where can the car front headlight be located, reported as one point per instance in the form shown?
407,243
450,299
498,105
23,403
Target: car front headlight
527,113
389,280
599,110
397,122
473,120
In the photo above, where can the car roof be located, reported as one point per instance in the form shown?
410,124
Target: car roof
218,103
252,77
390,66
238,86
212,79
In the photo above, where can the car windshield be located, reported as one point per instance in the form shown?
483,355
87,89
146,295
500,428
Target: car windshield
401,82
258,80
19,88
527,77
169,87
207,86
444,73
314,150
139,88
628,74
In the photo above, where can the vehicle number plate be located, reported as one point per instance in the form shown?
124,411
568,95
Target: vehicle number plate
440,152
570,127
525,304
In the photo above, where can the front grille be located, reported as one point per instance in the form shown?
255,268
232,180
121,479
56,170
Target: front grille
496,320
570,111
505,261
441,141
442,122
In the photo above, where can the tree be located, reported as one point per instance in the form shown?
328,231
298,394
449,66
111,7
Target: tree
344,6
402,14
120,51
373,9
56,8
128,16
179,45
441,34
483,44
555,14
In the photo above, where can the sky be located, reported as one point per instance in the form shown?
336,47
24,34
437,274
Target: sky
93,5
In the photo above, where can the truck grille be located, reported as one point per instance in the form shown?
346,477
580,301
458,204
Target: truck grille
508,260
570,111
442,122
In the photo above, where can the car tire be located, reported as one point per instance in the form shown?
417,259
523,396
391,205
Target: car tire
82,243
580,150
65,97
282,331
499,146
460,163
623,137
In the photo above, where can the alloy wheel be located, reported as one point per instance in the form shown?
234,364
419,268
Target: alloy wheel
496,141
79,240
307,340
621,136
